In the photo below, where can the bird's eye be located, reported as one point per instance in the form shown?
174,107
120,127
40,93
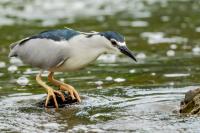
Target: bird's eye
114,43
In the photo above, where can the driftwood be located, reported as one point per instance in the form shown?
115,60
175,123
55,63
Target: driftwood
191,102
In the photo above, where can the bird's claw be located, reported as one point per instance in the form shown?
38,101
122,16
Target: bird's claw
51,93
72,92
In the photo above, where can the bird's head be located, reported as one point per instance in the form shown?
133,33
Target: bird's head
116,43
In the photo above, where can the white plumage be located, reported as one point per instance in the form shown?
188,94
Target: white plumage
65,55
66,50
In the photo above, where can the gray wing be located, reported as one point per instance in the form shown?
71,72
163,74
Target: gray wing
40,52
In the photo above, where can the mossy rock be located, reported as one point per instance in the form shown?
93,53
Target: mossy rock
68,101
191,102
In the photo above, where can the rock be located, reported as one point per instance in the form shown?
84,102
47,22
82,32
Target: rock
61,104
191,102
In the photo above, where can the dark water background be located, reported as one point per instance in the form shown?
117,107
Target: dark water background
118,94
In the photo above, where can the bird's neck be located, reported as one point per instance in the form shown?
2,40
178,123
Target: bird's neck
82,51
88,48
95,43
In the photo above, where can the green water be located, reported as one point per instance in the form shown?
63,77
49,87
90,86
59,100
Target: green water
147,99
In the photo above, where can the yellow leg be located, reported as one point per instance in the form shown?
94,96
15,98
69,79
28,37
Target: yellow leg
65,87
50,91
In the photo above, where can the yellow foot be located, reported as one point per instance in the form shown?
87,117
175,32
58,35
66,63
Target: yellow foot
65,87
51,93
73,93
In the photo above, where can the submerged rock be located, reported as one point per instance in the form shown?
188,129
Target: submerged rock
61,104
191,102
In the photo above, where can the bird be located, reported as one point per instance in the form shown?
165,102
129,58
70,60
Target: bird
66,50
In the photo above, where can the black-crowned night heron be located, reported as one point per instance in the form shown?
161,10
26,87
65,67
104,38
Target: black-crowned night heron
66,50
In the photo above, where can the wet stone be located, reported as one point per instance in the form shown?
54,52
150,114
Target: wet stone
191,102
61,104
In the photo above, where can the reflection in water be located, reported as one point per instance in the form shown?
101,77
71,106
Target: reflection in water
177,75
23,81
71,9
158,38
136,109
2,64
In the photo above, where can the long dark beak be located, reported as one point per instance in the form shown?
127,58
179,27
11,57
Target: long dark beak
127,52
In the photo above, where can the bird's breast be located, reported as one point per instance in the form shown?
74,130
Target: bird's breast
76,62
72,65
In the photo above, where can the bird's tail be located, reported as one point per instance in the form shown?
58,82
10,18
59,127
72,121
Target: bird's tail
15,45
13,52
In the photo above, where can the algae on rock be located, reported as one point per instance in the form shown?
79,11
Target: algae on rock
191,102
